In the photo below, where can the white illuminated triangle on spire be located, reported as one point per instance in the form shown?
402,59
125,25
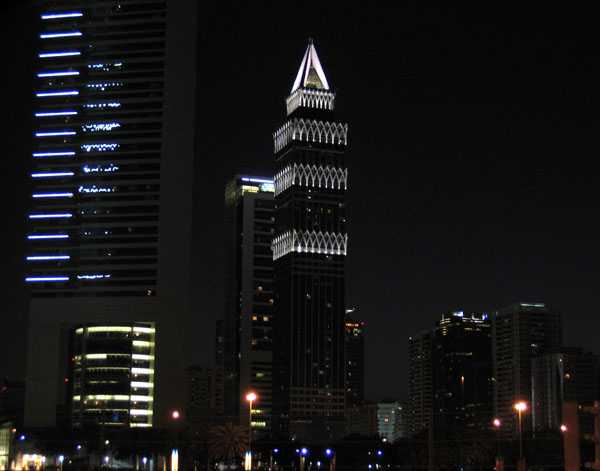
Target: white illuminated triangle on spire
311,73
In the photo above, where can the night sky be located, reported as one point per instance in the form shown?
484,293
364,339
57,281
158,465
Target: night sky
474,134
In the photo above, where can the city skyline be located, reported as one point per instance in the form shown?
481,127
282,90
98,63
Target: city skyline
478,240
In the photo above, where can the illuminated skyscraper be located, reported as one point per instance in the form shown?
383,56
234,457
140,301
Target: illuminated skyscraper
110,220
309,250
248,336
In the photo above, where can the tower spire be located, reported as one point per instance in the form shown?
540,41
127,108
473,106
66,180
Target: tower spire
310,74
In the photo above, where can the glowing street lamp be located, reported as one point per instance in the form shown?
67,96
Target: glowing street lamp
175,415
497,423
563,428
520,407
250,397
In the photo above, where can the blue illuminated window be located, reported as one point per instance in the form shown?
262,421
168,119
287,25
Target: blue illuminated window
57,93
100,127
59,73
49,55
52,174
101,106
99,276
42,258
100,168
65,34
52,195
42,279
48,114
99,147
55,133
47,236
51,216
58,15
96,189
41,155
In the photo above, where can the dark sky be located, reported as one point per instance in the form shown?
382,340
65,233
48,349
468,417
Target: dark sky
474,134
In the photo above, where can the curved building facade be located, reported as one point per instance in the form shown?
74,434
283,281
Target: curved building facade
113,375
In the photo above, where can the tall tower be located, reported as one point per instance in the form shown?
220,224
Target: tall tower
309,249
110,222
248,339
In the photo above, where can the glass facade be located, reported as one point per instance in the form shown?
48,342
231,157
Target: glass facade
93,224
113,375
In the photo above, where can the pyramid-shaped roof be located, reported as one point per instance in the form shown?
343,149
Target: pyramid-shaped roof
310,74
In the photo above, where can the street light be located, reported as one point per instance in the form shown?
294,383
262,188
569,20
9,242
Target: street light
175,415
520,407
563,428
497,423
250,397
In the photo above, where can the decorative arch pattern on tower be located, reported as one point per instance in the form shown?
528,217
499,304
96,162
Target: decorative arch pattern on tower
325,243
310,98
314,176
310,130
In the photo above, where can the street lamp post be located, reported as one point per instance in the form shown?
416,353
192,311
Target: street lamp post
250,397
520,407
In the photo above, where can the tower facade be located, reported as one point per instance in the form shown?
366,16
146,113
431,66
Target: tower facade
520,333
109,226
355,359
248,322
309,249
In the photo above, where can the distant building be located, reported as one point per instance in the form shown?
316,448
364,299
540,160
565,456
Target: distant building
112,375
204,402
355,359
462,375
361,419
420,383
248,321
390,421
570,375
520,332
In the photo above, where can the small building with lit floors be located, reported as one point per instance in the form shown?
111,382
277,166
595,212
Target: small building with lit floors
112,375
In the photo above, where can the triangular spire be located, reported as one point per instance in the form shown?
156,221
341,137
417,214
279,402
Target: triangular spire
310,74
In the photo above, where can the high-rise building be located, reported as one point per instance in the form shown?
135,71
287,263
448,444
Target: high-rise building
112,375
461,361
520,332
569,375
248,339
361,419
309,250
420,383
110,222
355,359
390,421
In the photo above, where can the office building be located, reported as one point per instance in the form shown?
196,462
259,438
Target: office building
420,384
112,375
461,361
109,229
569,375
309,250
248,338
520,332
355,359
390,421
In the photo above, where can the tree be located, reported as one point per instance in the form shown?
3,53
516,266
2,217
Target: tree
228,442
